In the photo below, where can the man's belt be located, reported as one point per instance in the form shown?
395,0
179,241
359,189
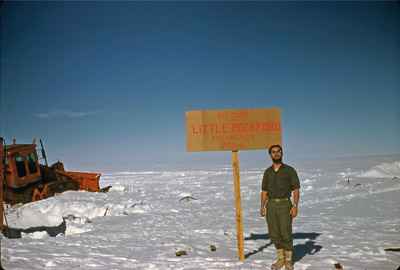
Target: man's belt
279,200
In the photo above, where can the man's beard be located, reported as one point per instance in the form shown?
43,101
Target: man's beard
277,161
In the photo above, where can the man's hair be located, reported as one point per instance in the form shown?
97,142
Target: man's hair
273,146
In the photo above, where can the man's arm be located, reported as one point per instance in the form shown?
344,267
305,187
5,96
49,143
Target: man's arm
264,198
296,196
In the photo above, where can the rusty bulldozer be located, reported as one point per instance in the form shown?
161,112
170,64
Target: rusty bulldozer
25,180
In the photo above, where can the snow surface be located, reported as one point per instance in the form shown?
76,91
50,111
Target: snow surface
142,222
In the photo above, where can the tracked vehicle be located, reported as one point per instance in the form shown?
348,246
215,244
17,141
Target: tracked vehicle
26,180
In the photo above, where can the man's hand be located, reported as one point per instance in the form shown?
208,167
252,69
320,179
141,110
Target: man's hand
264,198
296,195
262,211
293,211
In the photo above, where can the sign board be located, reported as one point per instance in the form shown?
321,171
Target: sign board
232,130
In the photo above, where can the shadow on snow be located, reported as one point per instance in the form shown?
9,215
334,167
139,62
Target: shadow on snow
299,251
10,232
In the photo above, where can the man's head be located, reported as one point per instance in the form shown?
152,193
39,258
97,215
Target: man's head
276,153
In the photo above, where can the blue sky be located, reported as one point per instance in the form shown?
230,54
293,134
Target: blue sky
107,84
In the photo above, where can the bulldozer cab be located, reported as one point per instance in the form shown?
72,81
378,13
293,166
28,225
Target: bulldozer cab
21,165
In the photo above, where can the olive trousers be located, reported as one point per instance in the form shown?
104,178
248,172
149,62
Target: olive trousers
280,224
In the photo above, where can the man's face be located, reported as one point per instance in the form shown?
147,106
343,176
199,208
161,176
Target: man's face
276,155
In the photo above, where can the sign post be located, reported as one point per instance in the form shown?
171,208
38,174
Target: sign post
238,203
233,130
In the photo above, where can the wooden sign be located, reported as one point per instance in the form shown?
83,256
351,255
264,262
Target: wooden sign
228,130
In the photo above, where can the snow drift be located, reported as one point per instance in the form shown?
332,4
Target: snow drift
384,170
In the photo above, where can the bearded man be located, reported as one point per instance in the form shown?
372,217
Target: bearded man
279,181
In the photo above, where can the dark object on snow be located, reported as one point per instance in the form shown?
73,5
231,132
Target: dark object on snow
213,248
357,185
180,253
392,249
51,231
187,198
337,266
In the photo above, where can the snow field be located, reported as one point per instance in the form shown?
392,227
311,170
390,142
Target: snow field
142,222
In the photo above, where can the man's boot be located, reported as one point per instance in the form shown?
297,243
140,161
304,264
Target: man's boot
281,260
288,260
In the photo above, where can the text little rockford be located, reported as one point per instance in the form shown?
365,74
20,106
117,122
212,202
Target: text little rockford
235,131
236,128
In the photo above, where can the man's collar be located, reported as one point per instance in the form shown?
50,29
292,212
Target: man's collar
282,165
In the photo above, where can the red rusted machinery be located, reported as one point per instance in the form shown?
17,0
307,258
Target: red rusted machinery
26,180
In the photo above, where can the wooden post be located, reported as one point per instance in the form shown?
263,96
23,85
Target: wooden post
238,203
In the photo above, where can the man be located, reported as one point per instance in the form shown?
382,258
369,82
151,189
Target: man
279,181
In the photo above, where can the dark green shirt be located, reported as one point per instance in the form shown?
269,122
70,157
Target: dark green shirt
280,184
